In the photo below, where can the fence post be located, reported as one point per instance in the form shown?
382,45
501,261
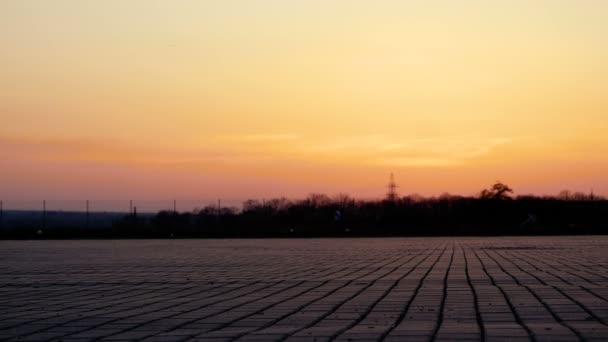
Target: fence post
43,214
134,218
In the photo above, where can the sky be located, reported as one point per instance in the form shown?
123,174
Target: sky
245,99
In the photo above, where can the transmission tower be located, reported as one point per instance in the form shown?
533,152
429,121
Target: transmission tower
392,195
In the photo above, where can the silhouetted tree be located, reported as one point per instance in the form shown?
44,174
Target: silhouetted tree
498,191
341,215
343,200
317,200
564,195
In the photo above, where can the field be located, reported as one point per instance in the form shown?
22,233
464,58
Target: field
392,289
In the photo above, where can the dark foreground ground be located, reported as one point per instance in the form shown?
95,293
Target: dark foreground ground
393,289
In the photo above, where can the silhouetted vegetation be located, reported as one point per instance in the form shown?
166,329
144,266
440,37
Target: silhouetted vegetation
493,212
498,191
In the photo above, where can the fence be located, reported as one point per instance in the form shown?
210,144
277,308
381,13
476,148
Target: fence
92,213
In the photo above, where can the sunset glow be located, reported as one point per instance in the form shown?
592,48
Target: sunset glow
253,99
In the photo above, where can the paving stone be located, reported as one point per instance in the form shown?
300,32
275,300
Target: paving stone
391,289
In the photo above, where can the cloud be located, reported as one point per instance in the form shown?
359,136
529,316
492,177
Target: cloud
256,138
413,161
260,151
98,150
209,153
385,150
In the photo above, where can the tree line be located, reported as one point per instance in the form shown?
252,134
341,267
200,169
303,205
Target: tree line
495,211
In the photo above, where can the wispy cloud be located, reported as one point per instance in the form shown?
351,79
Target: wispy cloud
257,138
107,150
390,151
211,152
263,149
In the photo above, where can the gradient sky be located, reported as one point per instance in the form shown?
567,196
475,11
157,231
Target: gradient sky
238,98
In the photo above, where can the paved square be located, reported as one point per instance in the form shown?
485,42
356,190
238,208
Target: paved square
391,289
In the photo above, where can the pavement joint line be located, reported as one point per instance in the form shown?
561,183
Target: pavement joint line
338,305
443,297
135,307
100,301
563,279
228,309
81,318
198,308
582,306
478,318
485,289
540,300
371,308
405,309
562,270
320,298
518,319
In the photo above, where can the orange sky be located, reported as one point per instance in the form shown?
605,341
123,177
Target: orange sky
238,99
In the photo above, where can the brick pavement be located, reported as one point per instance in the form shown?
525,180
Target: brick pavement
381,289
